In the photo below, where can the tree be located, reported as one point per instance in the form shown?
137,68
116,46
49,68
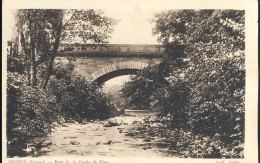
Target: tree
204,64
42,30
214,73
87,26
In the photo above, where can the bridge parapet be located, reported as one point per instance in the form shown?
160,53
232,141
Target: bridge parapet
111,50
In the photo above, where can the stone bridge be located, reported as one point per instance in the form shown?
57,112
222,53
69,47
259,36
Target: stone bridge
100,63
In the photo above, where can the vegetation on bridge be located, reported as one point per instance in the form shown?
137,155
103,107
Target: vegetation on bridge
205,70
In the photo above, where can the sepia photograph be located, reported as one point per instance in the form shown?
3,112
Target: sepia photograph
95,82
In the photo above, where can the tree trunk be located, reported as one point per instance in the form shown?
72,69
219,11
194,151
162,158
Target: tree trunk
54,52
32,56
11,50
33,64
26,58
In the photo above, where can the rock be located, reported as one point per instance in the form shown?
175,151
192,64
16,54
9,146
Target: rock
157,134
120,128
140,136
71,151
130,134
111,123
147,140
136,122
140,128
147,147
109,142
72,137
147,126
98,143
126,140
120,131
74,142
107,125
152,134
142,131
50,143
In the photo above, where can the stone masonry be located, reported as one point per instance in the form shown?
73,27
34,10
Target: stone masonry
116,60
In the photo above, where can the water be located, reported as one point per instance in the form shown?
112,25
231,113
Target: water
92,139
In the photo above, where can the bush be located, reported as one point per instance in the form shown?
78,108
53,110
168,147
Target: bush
77,98
200,146
15,65
13,104
30,112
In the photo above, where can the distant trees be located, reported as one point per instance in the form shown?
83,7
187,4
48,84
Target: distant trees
205,68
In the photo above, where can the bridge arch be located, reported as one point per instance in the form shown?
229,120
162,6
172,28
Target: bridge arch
122,68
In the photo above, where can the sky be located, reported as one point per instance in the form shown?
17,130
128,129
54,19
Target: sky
115,84
134,26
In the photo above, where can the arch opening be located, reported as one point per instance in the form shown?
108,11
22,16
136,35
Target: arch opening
111,71
102,79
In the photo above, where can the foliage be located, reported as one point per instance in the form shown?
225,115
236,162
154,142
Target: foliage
77,98
12,107
15,65
205,26
200,146
205,68
42,30
87,26
30,112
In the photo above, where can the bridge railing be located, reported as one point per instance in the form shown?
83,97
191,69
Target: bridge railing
108,49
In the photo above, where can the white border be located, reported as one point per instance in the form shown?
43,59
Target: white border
251,148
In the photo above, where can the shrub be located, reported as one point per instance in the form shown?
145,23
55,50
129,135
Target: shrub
30,112
77,98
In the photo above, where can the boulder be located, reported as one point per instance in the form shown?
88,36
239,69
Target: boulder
74,142
130,134
108,143
111,123
147,140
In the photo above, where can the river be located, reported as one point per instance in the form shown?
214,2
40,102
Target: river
98,139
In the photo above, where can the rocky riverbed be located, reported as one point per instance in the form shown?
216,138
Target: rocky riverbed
123,136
